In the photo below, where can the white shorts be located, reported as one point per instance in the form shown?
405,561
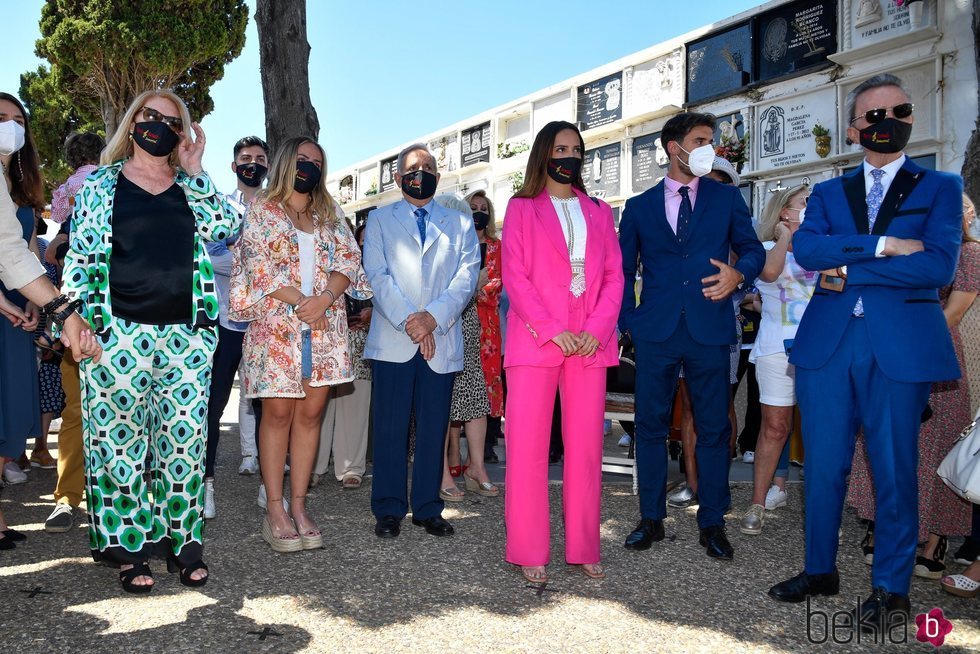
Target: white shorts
777,379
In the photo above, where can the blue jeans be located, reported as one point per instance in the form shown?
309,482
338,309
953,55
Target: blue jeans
306,355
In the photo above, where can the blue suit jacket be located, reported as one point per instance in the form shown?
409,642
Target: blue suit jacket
901,300
673,269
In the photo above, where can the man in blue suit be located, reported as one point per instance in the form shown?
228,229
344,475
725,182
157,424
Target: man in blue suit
873,338
682,231
422,261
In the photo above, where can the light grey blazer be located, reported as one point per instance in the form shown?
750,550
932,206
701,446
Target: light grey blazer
18,265
439,278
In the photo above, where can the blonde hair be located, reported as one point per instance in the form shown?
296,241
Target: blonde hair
968,204
120,146
770,214
282,176
491,231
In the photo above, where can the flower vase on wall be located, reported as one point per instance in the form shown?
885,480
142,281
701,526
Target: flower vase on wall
917,9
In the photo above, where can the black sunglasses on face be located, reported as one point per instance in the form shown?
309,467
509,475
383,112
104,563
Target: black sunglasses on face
873,116
173,122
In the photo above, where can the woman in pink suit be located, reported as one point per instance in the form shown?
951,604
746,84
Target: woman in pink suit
563,274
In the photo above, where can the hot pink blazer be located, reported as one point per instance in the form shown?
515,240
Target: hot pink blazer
537,273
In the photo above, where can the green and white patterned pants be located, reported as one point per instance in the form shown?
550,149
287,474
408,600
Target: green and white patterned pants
147,396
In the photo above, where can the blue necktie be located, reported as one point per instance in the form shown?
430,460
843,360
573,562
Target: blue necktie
875,197
420,215
684,214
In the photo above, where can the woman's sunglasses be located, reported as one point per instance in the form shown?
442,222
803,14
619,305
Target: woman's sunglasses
173,122
873,116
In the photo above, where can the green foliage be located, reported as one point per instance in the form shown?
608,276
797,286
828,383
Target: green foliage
108,51
103,53
53,117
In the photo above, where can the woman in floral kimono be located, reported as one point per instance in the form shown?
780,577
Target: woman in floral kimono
295,259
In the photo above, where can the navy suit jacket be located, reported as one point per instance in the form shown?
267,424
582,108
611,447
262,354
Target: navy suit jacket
909,335
673,269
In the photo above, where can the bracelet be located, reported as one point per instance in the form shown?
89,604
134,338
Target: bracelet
333,298
63,315
49,308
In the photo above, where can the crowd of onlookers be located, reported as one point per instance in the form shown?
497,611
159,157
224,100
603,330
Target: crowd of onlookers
395,331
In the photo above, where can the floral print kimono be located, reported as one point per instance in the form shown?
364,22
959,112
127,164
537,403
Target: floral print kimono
266,258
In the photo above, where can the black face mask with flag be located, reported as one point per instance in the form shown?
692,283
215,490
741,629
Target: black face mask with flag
564,170
251,174
419,184
887,136
307,176
155,138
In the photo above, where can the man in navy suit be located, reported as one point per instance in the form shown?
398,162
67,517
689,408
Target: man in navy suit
422,261
873,338
682,231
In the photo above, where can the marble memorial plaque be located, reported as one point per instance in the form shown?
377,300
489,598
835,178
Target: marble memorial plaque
719,63
601,170
600,102
476,144
795,37
650,161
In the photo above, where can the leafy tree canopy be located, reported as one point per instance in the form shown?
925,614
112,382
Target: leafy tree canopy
103,53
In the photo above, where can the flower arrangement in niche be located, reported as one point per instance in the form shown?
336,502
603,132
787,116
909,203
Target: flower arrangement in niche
734,149
822,136
516,181
507,149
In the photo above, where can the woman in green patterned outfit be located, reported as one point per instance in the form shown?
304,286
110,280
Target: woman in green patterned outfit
138,263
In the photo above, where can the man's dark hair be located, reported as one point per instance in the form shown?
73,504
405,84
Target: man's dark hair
678,127
248,142
83,148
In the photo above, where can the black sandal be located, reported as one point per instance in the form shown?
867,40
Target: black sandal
185,573
127,577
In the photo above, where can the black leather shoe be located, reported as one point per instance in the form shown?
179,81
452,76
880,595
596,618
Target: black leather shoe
388,526
436,525
803,585
647,532
878,613
491,457
716,542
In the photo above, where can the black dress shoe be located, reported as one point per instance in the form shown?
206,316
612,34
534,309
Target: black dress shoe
716,542
880,611
436,525
803,585
388,526
491,457
647,532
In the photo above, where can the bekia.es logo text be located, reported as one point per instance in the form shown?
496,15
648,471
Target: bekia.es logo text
891,628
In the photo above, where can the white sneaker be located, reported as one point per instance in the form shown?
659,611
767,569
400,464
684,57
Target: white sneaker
209,509
775,498
263,499
748,457
249,465
625,441
12,474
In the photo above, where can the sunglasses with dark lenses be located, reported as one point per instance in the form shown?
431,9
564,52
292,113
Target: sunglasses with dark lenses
873,116
173,122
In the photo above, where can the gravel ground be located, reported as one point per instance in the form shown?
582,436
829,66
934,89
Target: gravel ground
423,594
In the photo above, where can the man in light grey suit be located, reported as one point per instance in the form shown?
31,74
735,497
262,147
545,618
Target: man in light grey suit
422,261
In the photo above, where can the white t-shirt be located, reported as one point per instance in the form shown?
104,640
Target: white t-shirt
783,304
305,264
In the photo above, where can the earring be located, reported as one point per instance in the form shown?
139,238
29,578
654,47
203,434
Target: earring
130,136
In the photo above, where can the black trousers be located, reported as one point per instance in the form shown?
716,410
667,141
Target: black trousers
226,359
753,412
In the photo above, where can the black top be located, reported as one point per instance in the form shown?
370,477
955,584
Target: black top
151,270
